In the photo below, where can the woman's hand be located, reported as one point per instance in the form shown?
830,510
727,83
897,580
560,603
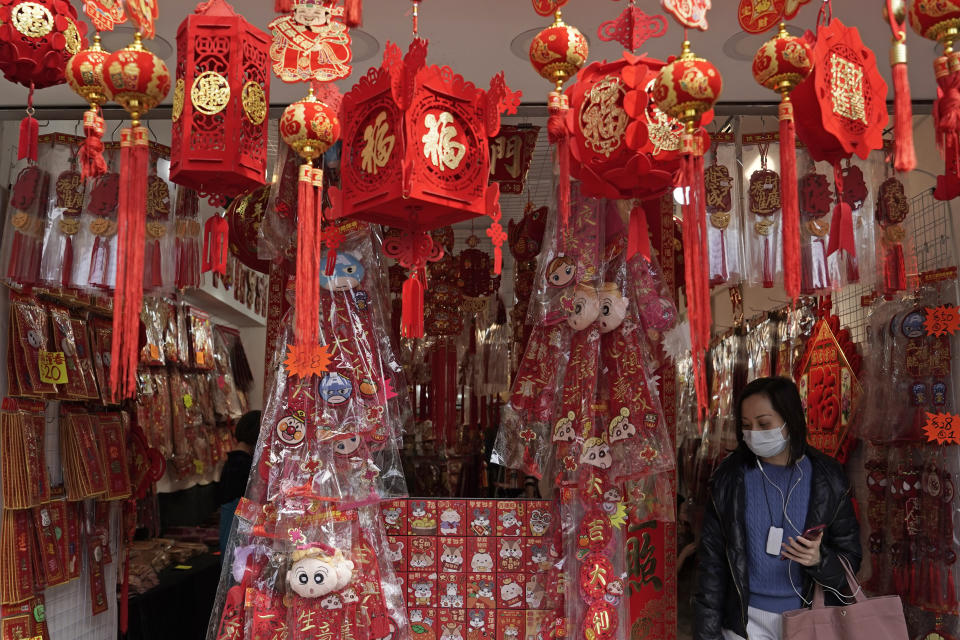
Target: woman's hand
802,551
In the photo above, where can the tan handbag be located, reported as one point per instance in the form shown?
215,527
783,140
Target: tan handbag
878,618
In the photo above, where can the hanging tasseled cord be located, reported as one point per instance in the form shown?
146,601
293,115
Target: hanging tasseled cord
841,228
318,236
92,163
411,323
790,205
307,316
29,132
559,136
695,261
638,238
131,226
904,154
946,112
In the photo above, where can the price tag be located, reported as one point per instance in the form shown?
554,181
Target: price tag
308,360
183,567
154,352
188,400
942,321
201,358
942,428
53,367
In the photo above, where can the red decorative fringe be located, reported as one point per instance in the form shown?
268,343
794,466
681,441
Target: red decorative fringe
894,269
308,273
131,228
559,136
318,236
353,13
92,164
904,154
638,240
67,268
411,322
841,228
792,266
696,263
29,130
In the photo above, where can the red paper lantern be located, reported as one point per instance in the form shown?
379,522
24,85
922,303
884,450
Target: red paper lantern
558,52
687,87
84,74
937,20
136,79
220,102
309,127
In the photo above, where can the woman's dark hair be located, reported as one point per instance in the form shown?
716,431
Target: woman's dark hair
785,398
248,428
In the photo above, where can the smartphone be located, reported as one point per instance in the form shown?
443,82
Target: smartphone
814,532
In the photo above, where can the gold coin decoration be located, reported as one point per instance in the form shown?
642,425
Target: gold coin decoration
178,91
20,220
818,227
32,19
156,230
720,220
894,234
254,102
763,227
68,227
210,93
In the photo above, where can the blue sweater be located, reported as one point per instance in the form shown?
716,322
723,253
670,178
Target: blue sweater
770,588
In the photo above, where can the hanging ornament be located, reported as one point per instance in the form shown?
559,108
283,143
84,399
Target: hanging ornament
691,14
104,14
311,43
158,213
780,65
765,198
632,28
687,88
892,210
138,80
144,13
757,17
37,38
220,103
718,189
904,155
939,20
557,53
511,152
84,74
815,204
548,7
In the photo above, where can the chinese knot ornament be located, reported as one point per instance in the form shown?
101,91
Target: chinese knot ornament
309,127
416,157
841,110
220,103
686,89
557,53
939,20
84,74
37,38
138,80
781,64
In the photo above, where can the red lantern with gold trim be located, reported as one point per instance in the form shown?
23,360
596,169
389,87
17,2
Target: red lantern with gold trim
416,157
37,38
220,102
84,74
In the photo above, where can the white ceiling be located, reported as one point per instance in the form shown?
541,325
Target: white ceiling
474,36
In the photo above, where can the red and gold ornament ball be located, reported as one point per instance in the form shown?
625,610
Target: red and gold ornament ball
558,52
687,87
309,127
84,73
37,38
936,20
782,62
135,78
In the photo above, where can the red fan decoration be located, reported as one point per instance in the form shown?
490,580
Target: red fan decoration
220,103
138,80
37,38
840,110
939,20
557,53
416,157
781,64
686,88
84,74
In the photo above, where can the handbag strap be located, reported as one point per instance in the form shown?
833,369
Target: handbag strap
852,583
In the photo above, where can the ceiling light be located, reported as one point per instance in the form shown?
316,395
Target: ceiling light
743,46
363,45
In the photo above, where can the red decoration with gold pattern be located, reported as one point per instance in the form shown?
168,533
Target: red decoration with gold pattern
632,27
104,14
416,153
311,44
84,74
220,103
757,17
691,14
511,151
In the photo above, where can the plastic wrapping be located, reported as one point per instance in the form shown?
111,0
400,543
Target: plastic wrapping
725,228
762,215
26,221
159,257
187,239
65,208
81,381
95,261
200,331
153,353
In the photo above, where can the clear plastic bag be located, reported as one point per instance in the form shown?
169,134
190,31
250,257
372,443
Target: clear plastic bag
725,228
65,208
762,210
27,221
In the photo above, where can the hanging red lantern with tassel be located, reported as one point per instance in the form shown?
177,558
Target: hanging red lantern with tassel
687,88
840,110
416,157
84,74
37,39
781,64
939,20
138,80
557,53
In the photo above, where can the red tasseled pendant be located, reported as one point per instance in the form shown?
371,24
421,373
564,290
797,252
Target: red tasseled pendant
559,136
946,113
353,13
29,130
92,163
790,204
67,268
307,280
131,228
904,155
638,240
411,323
841,228
318,236
216,231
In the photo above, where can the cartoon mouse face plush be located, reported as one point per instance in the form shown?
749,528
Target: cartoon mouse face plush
316,573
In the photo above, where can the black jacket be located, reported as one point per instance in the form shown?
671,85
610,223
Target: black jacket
724,588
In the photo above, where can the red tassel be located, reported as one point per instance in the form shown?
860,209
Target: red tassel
67,262
412,315
318,236
904,154
92,164
947,107
559,136
841,228
216,231
353,13
29,131
894,269
638,240
790,211
308,274
131,230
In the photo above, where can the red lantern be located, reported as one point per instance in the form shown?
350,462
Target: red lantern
220,102
37,38
416,156
84,74
686,88
781,64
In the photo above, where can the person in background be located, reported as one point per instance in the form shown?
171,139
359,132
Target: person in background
236,472
779,519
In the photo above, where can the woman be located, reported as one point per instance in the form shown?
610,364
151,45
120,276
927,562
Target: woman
236,472
755,561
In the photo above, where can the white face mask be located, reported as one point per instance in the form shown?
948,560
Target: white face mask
766,443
